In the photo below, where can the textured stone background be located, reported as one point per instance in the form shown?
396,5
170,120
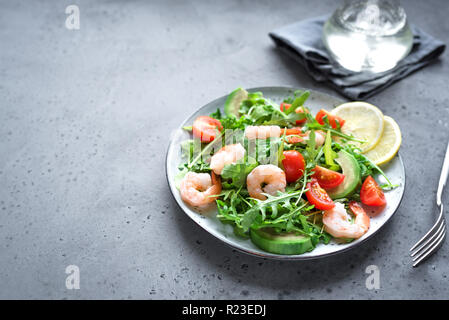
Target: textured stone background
84,121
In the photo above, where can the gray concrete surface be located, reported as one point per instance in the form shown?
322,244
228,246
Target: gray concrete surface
85,117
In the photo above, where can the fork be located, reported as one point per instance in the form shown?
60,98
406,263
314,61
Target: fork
428,244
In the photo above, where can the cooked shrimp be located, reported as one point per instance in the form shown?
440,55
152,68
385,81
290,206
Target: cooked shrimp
199,189
320,137
271,176
226,155
262,132
337,222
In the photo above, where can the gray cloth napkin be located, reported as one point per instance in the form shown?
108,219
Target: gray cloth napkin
302,41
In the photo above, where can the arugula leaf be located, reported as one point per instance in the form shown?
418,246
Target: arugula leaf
279,118
217,114
237,173
249,217
254,98
297,93
310,152
281,151
299,101
329,154
262,111
232,123
262,205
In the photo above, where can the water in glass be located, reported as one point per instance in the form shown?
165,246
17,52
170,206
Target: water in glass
368,35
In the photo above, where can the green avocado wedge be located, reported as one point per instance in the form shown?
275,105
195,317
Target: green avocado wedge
351,170
287,243
232,104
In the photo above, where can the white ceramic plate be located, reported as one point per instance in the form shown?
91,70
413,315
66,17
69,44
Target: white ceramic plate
317,100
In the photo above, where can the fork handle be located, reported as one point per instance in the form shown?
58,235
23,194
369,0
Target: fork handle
443,177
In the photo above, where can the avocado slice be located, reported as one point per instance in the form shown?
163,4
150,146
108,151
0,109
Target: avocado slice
232,104
286,243
351,170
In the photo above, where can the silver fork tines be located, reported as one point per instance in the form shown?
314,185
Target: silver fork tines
430,234
430,242
433,246
435,236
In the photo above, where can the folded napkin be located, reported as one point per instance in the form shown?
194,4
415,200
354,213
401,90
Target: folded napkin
302,41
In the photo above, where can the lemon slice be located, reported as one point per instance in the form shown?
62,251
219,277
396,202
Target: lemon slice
389,143
363,120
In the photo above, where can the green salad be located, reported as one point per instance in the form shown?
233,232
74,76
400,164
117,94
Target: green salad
281,176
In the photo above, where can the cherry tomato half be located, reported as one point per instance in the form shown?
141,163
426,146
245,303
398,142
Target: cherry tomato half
293,165
328,179
371,194
318,196
330,117
206,128
285,106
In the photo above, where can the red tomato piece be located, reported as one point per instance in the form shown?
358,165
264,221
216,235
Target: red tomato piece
294,165
206,128
302,121
320,115
328,179
285,106
371,194
318,196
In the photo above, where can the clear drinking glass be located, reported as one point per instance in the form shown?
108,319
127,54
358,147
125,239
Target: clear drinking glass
368,35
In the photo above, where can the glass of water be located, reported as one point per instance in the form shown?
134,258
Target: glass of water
368,35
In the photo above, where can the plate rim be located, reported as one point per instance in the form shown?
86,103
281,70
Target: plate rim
269,255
